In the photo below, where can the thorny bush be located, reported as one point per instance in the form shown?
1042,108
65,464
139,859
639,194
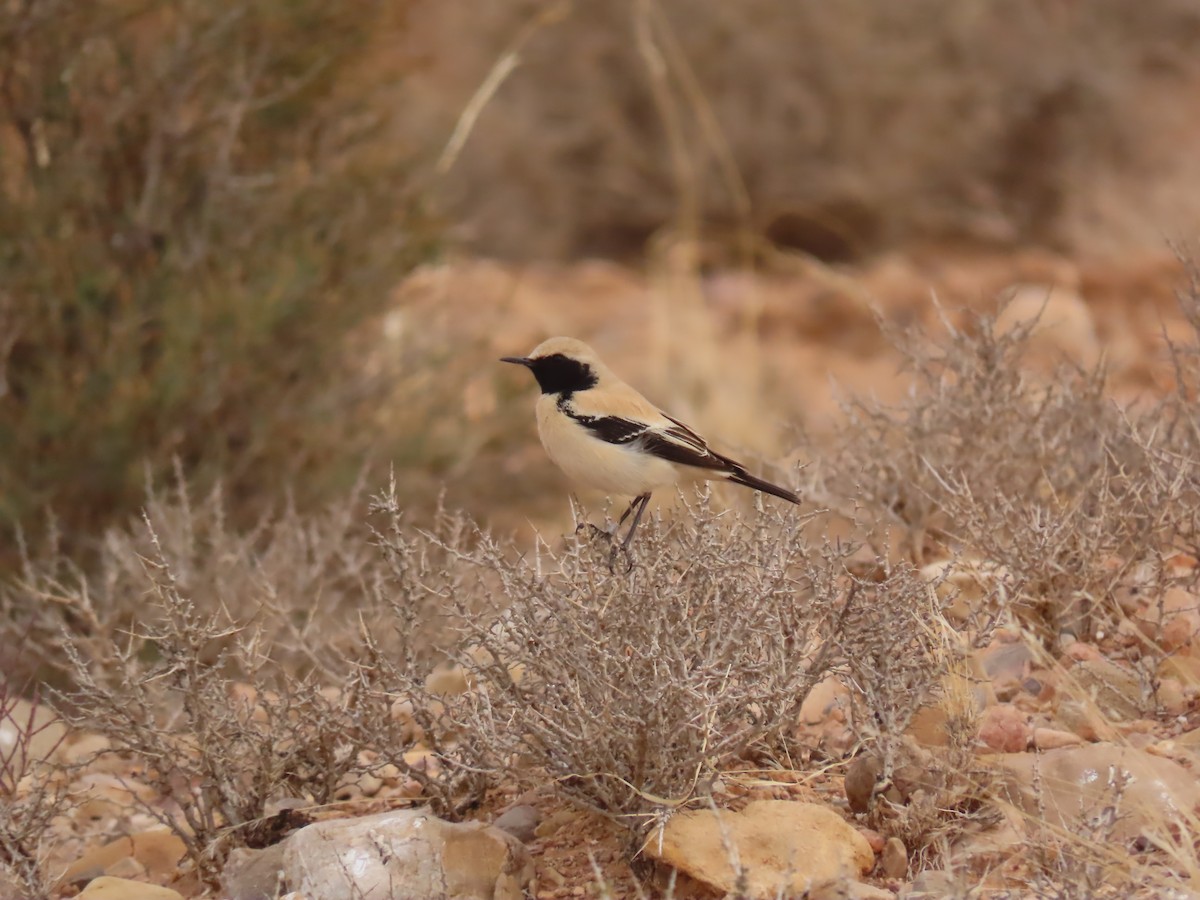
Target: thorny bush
630,690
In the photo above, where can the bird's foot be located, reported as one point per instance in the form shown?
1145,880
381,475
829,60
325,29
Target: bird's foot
593,531
620,550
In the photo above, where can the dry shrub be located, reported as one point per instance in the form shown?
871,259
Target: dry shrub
1049,479
296,579
895,670
629,690
224,661
195,211
31,793
220,751
852,125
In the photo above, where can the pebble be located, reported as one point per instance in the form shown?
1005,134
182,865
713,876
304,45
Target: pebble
894,860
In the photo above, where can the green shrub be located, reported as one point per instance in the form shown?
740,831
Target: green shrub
195,213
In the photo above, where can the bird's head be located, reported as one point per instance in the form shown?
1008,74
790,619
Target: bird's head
562,365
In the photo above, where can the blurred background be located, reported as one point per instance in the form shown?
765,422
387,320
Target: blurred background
277,245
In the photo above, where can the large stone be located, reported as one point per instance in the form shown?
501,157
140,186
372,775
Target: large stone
253,874
1115,690
1067,787
159,852
108,888
404,854
782,846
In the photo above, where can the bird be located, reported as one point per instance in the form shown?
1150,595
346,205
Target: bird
605,435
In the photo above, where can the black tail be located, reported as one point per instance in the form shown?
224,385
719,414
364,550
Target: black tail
741,476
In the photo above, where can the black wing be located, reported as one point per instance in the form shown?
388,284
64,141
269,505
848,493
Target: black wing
677,444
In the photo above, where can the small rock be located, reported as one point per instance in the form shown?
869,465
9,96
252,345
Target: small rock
520,821
861,780
965,584
894,860
1006,660
1004,729
1084,720
555,821
825,696
983,847
1172,620
1171,697
932,884
1081,652
433,859
1052,739
159,852
1189,739
783,846
857,890
929,727
822,723
108,888
874,839
1116,691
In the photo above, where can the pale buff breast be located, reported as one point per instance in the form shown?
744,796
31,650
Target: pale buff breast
595,464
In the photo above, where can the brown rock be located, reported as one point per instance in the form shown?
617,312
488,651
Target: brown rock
159,852
108,888
555,821
1082,718
1170,697
1004,729
1062,785
1052,739
966,584
1184,668
1116,691
1173,620
874,839
1006,660
862,777
933,884
982,847
858,890
894,861
783,846
520,821
1081,652
825,696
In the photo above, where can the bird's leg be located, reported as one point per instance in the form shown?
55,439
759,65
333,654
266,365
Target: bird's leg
625,515
598,532
640,502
